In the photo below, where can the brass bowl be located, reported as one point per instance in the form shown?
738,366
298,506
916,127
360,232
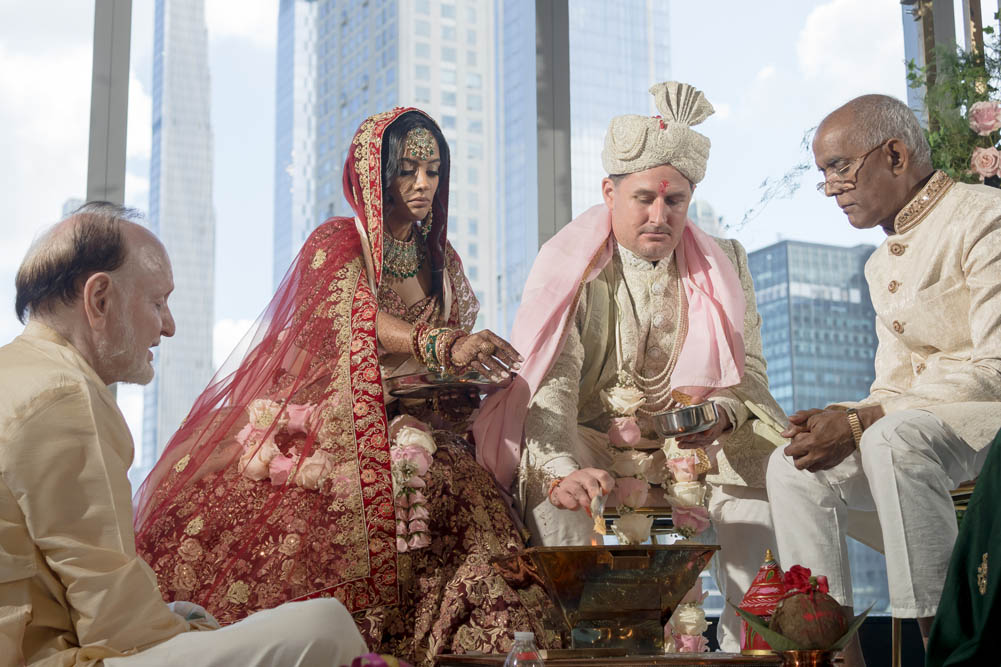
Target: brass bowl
686,421
609,596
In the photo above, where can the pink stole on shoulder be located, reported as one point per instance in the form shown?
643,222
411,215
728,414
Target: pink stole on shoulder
712,355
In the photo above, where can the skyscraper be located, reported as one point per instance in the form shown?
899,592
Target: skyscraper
372,55
617,51
819,338
181,214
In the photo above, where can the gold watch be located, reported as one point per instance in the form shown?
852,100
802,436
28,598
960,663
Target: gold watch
855,424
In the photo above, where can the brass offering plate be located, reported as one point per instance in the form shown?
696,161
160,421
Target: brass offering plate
423,385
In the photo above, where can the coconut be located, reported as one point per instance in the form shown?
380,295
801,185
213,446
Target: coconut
812,620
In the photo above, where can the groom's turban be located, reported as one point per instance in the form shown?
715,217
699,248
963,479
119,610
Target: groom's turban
637,143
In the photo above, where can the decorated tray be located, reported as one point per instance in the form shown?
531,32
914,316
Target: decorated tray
422,385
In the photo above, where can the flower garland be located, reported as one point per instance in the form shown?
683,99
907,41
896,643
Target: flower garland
635,470
411,453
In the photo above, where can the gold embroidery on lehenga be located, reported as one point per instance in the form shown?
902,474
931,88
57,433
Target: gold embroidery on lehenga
195,526
982,576
238,592
318,259
183,463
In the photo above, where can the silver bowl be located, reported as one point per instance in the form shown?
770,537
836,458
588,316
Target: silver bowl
686,421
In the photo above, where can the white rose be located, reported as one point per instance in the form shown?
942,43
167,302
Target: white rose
657,471
257,458
689,619
408,435
632,528
689,494
313,470
624,400
262,413
631,463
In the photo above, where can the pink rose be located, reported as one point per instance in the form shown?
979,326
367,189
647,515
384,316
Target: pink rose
256,460
986,162
417,497
280,468
683,468
402,503
419,512
690,643
313,469
418,526
631,492
248,434
419,541
416,456
985,117
401,545
624,432
401,528
299,417
690,521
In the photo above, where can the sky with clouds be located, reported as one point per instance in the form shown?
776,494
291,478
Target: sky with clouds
772,70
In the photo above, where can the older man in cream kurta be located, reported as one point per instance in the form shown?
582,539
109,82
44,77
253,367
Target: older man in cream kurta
72,589
935,284
634,317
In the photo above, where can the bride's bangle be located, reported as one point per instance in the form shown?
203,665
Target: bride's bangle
417,335
446,344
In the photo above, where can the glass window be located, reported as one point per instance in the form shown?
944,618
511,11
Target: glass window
423,73
447,11
476,127
474,81
471,37
471,58
448,33
448,98
473,228
448,54
474,200
422,94
423,50
447,76
471,14
474,176
474,150
422,28
472,271
474,250
474,102
448,122
423,7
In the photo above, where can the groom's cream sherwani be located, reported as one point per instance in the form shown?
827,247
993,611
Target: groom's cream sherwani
630,312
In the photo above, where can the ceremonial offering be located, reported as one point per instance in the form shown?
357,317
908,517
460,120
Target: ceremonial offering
808,625
685,420
423,385
609,596
764,594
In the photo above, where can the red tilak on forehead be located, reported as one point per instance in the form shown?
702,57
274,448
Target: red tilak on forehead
663,187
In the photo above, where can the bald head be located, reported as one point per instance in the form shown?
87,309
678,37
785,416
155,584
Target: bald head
102,281
874,119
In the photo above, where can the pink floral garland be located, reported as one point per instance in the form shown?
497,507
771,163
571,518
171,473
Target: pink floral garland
411,453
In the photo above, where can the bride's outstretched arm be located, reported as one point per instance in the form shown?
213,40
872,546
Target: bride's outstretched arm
393,333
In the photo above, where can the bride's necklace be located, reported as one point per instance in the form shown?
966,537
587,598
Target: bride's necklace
402,259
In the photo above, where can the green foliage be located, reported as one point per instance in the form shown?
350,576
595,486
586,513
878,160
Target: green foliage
959,79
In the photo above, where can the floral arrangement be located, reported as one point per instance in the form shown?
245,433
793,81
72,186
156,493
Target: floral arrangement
806,618
634,471
961,107
411,452
262,459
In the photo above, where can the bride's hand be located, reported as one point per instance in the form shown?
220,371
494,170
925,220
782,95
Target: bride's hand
488,353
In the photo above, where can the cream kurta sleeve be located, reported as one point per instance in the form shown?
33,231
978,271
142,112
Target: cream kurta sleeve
551,422
70,483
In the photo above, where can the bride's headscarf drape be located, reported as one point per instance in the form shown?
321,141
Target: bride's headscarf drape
277,486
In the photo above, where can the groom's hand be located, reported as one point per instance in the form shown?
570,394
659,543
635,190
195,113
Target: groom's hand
576,490
707,437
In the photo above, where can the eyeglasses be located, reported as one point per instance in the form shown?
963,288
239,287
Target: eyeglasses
846,174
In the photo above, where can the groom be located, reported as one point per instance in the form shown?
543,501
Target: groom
625,304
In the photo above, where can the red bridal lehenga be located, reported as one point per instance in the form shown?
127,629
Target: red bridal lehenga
278,485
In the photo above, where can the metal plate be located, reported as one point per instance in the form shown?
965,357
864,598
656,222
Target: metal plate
422,385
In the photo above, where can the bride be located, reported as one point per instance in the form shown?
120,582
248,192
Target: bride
296,475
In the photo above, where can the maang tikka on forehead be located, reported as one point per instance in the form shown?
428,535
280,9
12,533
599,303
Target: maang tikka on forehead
420,144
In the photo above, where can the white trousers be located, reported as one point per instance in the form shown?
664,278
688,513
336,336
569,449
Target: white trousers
892,494
741,526
317,632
